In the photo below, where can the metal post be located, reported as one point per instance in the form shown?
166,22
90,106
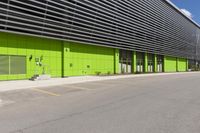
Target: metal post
196,50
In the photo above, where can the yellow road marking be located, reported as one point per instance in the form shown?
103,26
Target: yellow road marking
77,87
46,92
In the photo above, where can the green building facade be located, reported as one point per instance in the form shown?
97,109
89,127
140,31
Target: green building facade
24,56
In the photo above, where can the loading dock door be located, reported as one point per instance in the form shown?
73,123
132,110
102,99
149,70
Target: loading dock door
140,62
125,61
150,63
159,63
140,66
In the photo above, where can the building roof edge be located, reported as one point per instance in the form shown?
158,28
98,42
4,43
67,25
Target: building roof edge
178,9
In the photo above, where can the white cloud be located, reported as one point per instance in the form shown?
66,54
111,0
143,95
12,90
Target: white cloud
184,11
187,13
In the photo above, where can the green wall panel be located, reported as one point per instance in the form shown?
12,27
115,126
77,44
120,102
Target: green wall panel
81,59
169,64
20,45
182,64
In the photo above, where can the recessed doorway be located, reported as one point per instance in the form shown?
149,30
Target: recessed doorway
125,63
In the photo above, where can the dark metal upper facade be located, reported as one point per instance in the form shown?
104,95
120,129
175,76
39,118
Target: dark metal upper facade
152,26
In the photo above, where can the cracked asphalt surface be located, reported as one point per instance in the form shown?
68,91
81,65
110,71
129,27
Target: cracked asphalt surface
157,104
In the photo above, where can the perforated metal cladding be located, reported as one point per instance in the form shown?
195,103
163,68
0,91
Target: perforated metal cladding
152,26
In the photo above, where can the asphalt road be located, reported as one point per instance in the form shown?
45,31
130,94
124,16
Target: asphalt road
158,104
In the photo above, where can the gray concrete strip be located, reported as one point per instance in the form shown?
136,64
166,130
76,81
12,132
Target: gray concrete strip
26,84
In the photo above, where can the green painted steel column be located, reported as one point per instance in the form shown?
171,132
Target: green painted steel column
155,63
134,62
63,60
116,61
177,64
187,65
66,57
164,63
145,62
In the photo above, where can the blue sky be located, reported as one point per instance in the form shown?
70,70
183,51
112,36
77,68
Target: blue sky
192,6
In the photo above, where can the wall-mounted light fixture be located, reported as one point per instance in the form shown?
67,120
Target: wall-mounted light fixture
30,57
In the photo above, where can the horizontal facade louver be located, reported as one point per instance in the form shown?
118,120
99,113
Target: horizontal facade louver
152,26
